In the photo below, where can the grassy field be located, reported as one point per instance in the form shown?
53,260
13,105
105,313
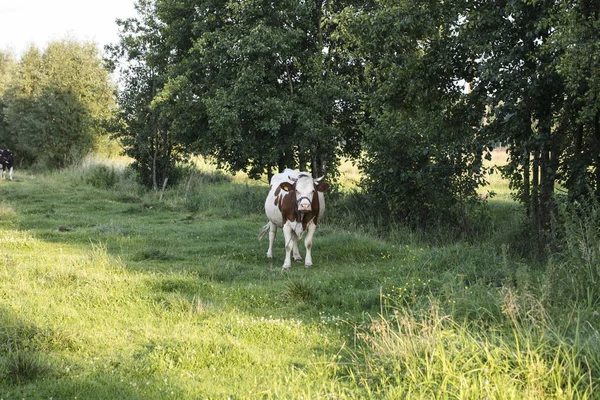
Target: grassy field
110,292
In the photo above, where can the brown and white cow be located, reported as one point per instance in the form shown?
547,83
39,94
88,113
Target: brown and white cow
295,204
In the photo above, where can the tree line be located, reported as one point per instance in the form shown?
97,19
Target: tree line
416,92
55,105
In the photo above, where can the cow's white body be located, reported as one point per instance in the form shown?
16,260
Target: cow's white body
10,173
308,208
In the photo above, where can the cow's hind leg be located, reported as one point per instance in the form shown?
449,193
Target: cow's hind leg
11,169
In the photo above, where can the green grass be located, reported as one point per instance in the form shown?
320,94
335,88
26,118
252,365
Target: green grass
108,292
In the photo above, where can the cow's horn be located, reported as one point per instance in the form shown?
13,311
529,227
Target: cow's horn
319,179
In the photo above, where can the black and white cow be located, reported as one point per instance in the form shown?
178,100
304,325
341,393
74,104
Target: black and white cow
7,161
295,204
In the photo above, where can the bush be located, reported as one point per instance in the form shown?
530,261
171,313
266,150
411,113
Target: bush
103,177
575,275
417,172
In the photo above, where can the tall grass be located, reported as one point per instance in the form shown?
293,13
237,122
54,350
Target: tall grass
433,356
574,272
111,291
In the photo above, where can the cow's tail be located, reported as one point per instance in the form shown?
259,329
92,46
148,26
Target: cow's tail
264,231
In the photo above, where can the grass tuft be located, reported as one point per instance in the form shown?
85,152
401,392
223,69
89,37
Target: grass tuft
23,366
298,291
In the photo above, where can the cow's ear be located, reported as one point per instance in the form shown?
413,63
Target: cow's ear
322,186
288,187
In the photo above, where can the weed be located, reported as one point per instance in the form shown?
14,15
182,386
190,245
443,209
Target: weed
153,254
575,273
23,366
102,177
6,212
298,290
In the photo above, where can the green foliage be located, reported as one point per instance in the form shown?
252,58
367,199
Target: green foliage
414,175
577,39
55,104
258,87
422,90
144,119
536,73
103,177
421,159
574,274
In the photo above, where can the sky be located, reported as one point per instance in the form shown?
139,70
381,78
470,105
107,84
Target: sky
38,22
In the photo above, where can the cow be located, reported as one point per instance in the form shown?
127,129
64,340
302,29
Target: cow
7,160
295,204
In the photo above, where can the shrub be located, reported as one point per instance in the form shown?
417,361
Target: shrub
575,274
103,177
417,172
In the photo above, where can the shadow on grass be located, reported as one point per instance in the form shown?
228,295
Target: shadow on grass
31,365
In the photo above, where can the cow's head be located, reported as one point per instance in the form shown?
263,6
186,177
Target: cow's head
304,188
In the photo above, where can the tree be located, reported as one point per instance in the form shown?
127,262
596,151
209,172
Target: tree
256,85
56,103
537,71
8,65
423,161
577,39
144,121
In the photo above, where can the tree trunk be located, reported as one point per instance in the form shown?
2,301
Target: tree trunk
302,159
154,184
576,181
546,189
597,148
547,176
290,82
527,182
535,186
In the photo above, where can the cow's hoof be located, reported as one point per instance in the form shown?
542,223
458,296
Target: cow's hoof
269,255
307,265
286,267
298,259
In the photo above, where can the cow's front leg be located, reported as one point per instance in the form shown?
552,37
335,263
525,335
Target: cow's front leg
311,228
11,169
272,234
289,245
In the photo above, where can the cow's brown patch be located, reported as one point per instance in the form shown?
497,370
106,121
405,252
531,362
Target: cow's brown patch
285,200
312,215
287,206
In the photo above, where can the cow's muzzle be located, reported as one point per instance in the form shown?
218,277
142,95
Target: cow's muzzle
304,204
